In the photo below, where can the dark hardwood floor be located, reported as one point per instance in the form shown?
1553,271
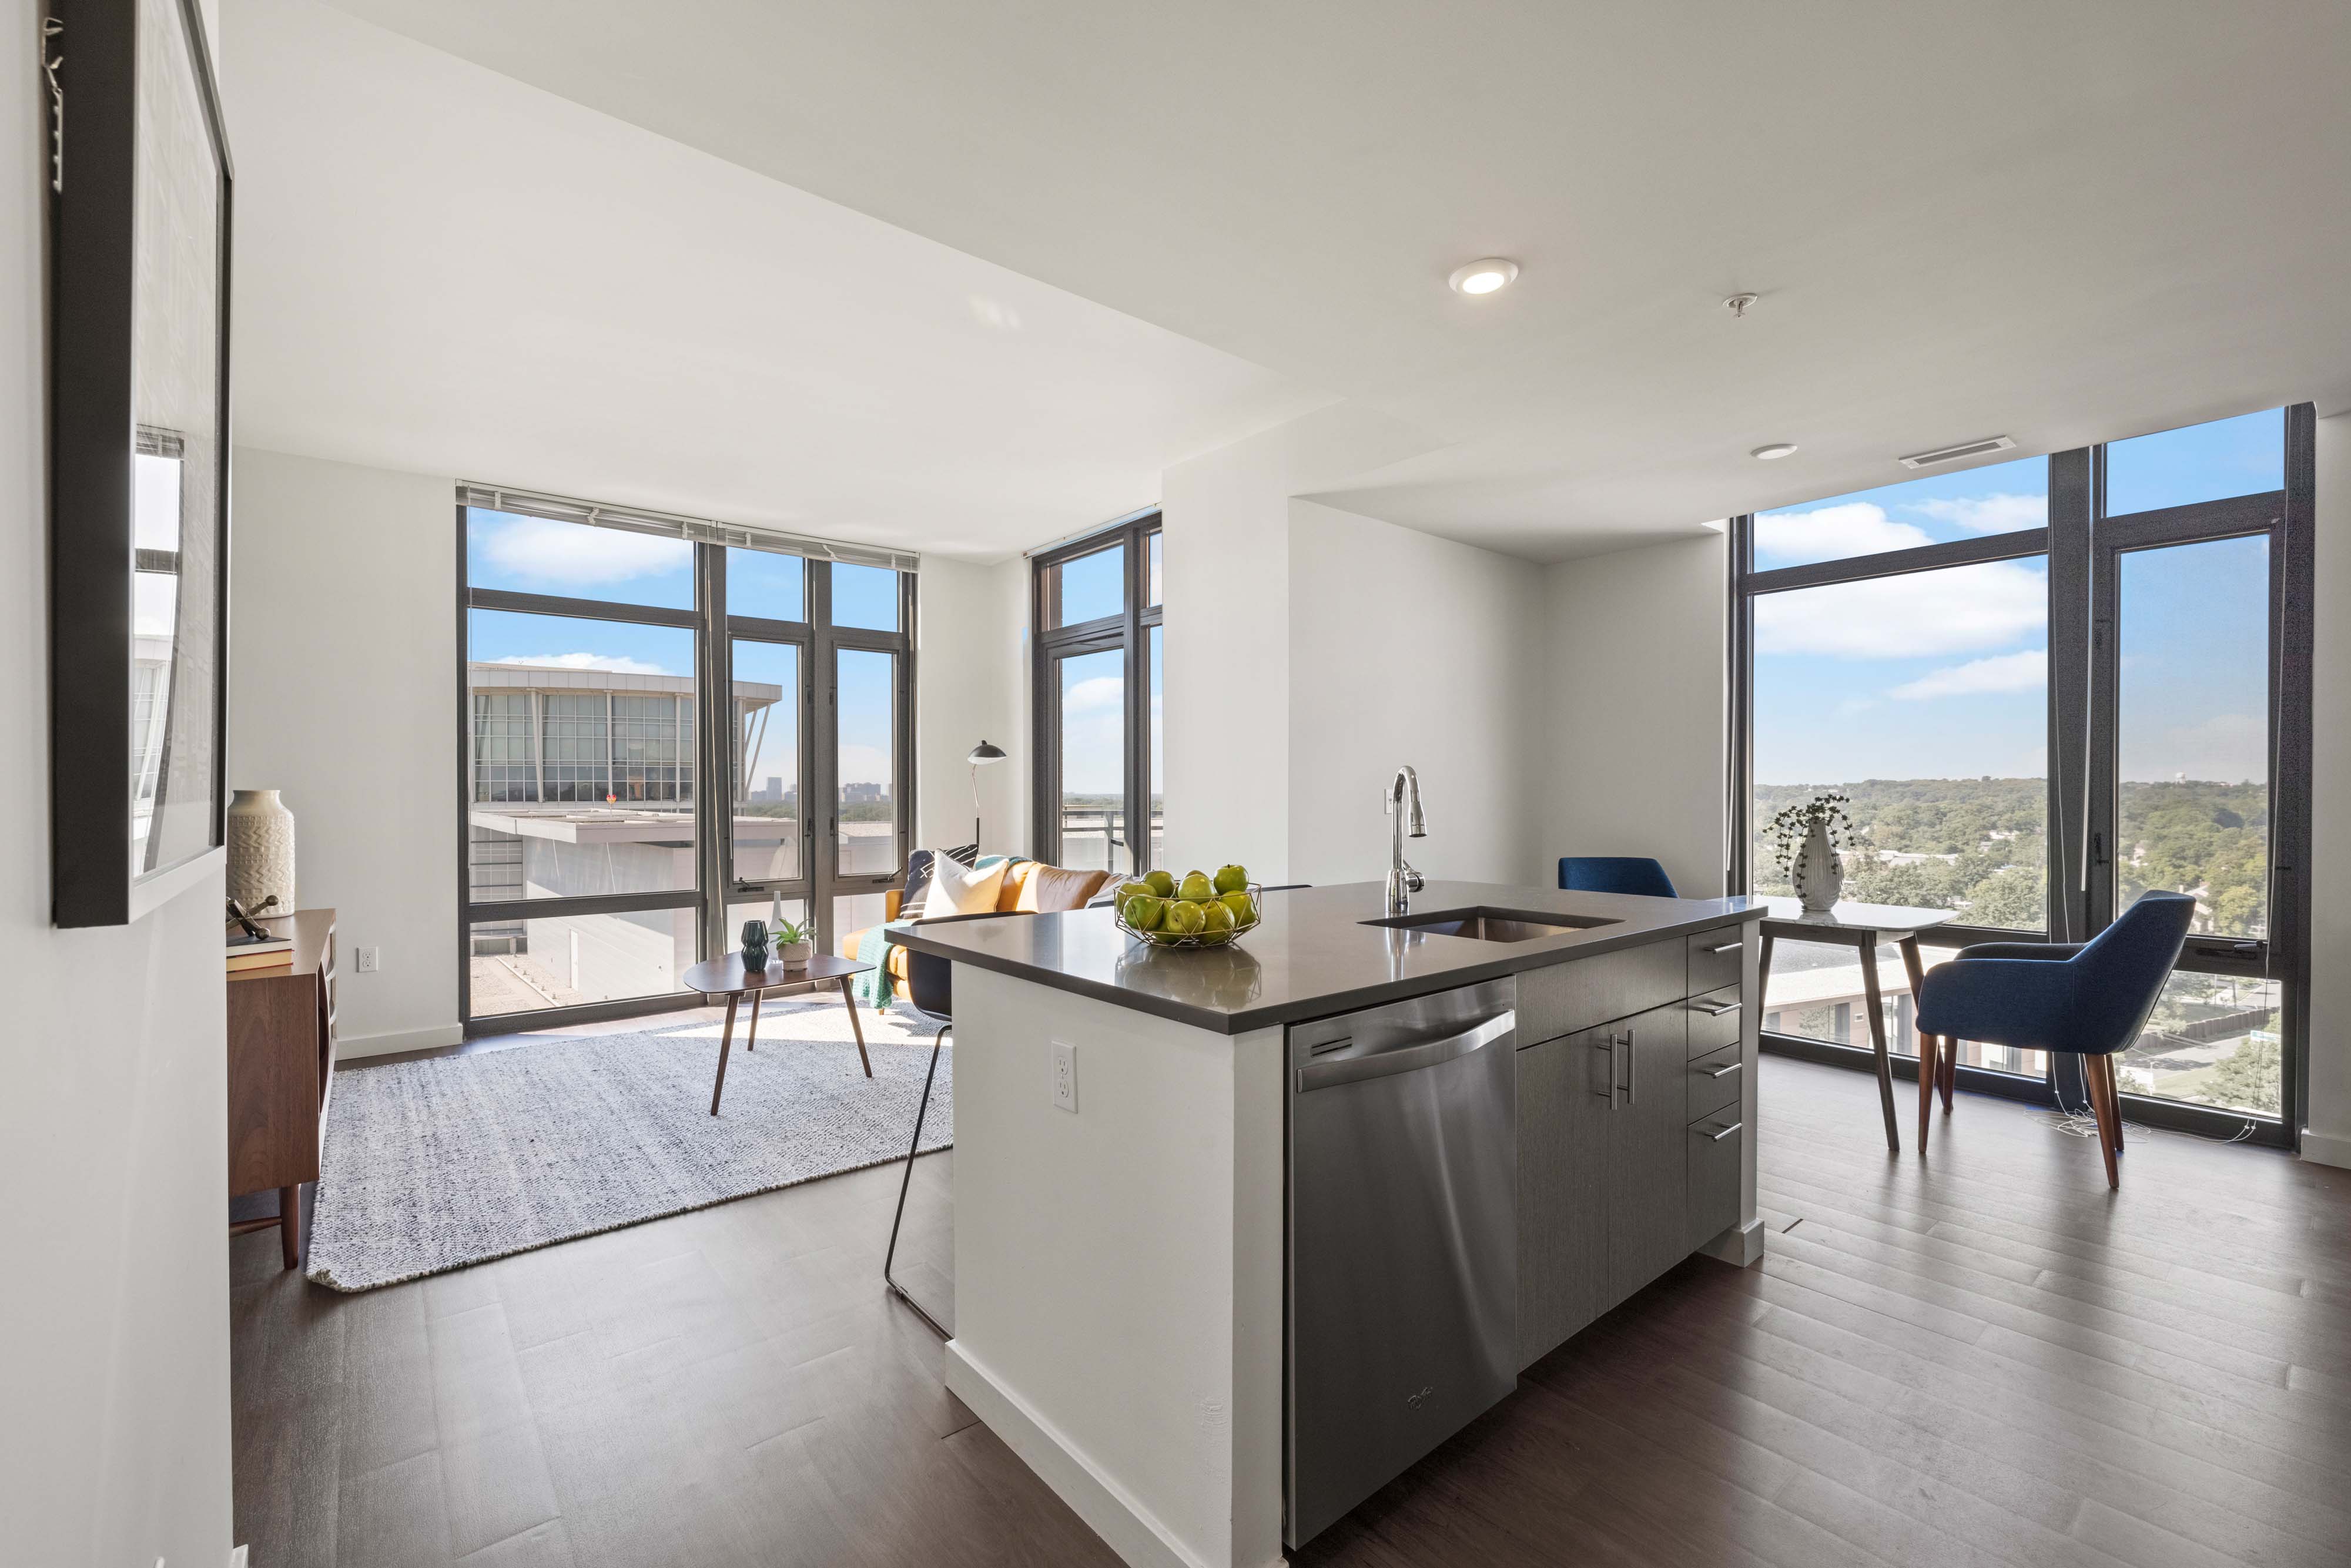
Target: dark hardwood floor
1979,1358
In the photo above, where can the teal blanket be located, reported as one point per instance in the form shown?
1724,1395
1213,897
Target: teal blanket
871,989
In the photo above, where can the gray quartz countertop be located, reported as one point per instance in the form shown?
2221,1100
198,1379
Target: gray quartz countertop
1312,956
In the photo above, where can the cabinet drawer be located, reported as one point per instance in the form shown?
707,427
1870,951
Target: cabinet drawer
1714,1082
1714,957
1714,1020
1577,995
1717,1154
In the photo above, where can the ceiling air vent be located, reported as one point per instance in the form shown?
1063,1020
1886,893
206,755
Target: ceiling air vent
1943,455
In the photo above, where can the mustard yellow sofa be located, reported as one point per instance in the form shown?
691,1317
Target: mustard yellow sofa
1030,887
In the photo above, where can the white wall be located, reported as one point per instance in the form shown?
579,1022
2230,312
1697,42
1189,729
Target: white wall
1225,709
971,662
1406,648
1633,735
2327,1116
344,697
114,1406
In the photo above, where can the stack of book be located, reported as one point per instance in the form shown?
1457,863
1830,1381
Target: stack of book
246,954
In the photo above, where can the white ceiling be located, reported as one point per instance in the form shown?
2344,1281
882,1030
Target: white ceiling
442,270
2060,223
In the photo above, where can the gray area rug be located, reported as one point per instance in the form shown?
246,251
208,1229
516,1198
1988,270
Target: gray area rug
433,1164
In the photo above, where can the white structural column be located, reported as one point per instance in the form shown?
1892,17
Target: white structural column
1118,1269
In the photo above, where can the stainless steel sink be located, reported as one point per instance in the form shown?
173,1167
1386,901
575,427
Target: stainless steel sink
1483,925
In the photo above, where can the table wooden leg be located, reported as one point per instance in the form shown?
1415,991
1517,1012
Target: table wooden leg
1950,1073
1930,1062
725,1044
1874,1000
1763,974
751,1036
289,1224
849,995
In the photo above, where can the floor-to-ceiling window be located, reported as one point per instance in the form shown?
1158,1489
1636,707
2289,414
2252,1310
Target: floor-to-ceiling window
1096,607
2047,685
611,664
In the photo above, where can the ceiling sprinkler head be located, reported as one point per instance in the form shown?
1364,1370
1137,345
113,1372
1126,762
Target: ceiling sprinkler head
1737,305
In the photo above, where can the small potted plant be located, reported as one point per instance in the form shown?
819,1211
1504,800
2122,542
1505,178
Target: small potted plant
1805,841
793,949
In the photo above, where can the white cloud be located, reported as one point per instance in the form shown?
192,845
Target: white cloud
1094,696
1961,609
1834,533
611,664
1997,513
568,555
2025,671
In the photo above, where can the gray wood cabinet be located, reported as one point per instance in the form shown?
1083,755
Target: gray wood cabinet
1563,1114
1619,1177
1648,1160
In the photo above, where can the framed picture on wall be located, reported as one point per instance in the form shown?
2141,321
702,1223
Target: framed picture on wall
138,231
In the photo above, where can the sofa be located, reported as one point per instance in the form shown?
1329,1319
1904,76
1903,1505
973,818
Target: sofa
1030,887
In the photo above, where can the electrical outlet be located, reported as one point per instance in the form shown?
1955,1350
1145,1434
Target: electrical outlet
370,959
1065,1078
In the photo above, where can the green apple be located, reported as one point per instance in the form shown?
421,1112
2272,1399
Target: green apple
1129,890
1181,919
1231,878
1195,888
1144,911
1160,883
1216,919
1243,906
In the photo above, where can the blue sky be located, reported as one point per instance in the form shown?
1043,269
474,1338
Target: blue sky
1944,675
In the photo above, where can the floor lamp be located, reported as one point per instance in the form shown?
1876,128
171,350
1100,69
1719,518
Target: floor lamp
982,752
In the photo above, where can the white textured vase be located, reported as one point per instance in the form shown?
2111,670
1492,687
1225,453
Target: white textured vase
1818,873
260,850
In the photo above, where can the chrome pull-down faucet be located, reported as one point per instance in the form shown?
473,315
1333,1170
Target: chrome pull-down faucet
1401,798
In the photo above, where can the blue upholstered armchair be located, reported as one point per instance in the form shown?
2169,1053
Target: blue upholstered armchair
2087,998
1614,874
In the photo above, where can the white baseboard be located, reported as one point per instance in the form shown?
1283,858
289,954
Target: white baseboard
349,1046
2326,1149
1739,1246
1112,1513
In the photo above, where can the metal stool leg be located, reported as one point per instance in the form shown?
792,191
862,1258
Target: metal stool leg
908,1180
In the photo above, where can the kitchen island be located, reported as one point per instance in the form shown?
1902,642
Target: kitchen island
1133,1282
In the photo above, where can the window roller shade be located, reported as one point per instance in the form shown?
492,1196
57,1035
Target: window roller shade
563,510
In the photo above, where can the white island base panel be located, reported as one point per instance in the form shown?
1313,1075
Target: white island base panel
1119,1270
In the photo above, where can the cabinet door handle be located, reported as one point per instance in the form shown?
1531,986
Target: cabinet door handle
1721,1071
1727,947
1714,1009
1718,1137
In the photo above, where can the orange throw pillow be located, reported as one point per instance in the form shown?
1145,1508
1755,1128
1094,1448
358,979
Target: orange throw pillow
1052,889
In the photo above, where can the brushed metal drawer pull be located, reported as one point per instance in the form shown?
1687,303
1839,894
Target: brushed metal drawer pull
1723,1071
1727,947
1718,1137
1715,1009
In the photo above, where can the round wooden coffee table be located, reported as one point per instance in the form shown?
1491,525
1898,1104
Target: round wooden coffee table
727,978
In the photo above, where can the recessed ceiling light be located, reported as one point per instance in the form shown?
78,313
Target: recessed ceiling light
1778,449
1483,277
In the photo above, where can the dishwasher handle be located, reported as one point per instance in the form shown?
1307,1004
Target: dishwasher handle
1412,1057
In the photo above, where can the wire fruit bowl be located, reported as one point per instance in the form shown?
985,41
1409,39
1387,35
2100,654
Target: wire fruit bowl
1196,938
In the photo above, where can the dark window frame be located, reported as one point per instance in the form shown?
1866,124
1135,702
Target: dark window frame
2082,546
715,761
1128,631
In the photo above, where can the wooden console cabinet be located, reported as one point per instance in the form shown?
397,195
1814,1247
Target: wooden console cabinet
281,1070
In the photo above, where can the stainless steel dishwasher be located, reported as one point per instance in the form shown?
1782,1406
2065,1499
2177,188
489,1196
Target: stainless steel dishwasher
1403,1296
